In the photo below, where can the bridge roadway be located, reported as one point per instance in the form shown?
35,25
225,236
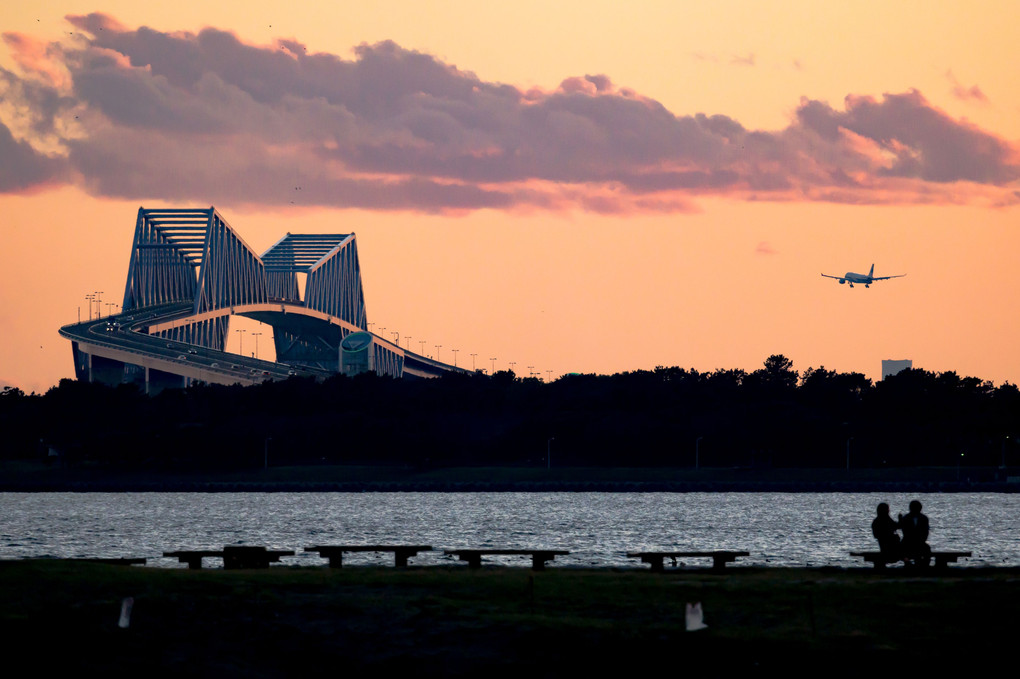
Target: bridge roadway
131,343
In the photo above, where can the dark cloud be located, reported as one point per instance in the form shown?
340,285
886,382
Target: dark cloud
203,116
22,168
919,140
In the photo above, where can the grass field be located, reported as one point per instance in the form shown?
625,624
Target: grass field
449,621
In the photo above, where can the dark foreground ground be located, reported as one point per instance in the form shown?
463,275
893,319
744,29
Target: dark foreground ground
441,621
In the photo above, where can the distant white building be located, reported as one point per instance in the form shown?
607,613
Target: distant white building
891,367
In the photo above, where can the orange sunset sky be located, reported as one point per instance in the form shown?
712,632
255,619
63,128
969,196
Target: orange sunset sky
571,186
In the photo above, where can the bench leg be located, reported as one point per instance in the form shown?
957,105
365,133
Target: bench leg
336,560
656,562
538,560
718,562
400,558
194,563
474,560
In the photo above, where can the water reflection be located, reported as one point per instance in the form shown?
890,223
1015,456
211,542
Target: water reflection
779,529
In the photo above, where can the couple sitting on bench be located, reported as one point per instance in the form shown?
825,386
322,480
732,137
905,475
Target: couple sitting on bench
913,548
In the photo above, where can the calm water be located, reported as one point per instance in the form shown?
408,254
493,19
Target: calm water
779,529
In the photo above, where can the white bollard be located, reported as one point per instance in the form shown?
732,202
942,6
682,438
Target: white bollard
125,612
695,618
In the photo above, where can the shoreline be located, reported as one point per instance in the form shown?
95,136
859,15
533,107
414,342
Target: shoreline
501,487
35,477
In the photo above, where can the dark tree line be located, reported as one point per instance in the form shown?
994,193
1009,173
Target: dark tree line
773,416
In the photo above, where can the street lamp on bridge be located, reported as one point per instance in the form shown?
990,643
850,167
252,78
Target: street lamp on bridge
256,336
473,362
493,359
240,340
455,357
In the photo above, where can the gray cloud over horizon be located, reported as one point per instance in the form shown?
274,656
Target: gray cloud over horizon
145,114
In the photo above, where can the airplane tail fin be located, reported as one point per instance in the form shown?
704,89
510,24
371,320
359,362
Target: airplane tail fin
871,272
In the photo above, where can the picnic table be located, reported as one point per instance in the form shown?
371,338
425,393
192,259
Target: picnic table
538,556
942,559
719,558
335,553
234,556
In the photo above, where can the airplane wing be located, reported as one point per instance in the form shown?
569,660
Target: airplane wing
885,278
828,276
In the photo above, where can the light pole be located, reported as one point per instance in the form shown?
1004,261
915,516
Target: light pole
240,340
512,364
697,452
849,439
397,334
548,453
473,362
99,304
455,357
422,343
548,375
493,359
438,347
530,371
408,339
256,336
89,297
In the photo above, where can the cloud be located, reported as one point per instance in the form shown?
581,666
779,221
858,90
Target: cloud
22,169
145,114
765,248
972,93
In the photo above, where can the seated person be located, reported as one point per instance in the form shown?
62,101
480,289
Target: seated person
884,529
915,536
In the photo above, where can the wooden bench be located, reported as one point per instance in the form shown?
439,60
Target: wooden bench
235,557
719,558
335,553
538,556
942,559
193,557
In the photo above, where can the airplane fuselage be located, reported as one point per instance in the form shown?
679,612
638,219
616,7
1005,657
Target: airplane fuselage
851,278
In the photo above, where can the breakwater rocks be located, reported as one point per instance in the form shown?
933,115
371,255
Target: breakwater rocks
559,486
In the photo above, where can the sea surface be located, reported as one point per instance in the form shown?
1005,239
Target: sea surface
778,529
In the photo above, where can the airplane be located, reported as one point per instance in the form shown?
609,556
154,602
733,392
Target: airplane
865,279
